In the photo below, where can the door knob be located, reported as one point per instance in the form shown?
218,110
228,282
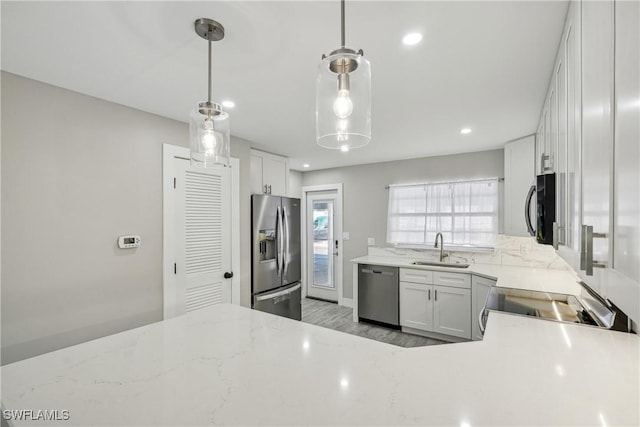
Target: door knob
228,275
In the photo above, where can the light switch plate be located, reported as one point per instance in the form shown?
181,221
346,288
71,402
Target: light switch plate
371,241
345,235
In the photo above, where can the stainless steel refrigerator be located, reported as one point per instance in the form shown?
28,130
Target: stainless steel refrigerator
275,255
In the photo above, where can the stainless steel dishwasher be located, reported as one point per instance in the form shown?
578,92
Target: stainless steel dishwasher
378,299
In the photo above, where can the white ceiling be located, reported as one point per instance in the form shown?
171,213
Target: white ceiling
483,65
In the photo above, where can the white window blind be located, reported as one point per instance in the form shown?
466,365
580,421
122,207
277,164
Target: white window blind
465,212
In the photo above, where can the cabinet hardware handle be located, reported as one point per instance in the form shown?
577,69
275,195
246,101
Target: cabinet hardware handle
583,252
435,296
556,235
269,188
429,296
543,158
265,189
587,262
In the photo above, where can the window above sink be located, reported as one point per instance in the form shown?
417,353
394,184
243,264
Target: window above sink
465,212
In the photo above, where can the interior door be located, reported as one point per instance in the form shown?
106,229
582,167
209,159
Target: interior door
203,215
322,245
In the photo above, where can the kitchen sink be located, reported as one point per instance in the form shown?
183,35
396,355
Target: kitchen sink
441,264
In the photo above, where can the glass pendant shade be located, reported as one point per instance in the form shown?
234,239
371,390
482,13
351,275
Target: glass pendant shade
343,101
209,135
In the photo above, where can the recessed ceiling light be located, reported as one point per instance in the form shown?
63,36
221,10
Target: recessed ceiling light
306,165
228,104
412,38
344,148
465,131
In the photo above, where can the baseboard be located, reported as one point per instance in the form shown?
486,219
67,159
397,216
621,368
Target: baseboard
347,302
434,335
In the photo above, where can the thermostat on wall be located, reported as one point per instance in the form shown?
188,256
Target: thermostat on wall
128,242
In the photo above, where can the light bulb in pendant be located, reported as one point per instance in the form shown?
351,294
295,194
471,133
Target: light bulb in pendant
208,136
343,106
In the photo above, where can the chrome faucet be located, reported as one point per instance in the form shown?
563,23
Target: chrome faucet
442,254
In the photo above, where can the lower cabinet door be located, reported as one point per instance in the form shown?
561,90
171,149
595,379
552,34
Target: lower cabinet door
416,306
452,311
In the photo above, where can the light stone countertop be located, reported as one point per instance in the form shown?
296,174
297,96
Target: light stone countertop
228,365
536,279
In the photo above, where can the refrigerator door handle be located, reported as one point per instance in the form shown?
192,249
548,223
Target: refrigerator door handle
285,248
278,242
527,210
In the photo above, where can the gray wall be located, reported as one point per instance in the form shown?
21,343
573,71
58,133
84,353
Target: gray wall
241,149
365,198
295,184
76,173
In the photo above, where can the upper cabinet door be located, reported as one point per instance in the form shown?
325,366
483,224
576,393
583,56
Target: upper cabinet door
597,127
574,111
257,187
624,288
269,174
519,175
560,156
627,140
275,175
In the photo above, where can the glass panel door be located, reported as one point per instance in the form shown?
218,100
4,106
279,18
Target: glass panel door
322,247
322,244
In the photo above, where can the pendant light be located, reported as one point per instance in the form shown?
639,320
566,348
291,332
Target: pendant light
208,122
343,97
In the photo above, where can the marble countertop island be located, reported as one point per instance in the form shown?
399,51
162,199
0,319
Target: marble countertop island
228,365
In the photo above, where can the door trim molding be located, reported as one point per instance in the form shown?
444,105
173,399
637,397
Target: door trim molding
339,274
169,152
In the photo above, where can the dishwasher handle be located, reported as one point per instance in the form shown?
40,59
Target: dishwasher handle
371,271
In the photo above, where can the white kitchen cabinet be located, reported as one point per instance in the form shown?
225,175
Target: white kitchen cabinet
597,128
519,175
452,311
457,280
435,307
624,285
542,162
547,155
538,148
416,307
269,174
560,156
597,162
571,248
416,276
480,287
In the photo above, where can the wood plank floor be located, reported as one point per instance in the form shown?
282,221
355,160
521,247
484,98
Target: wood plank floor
339,318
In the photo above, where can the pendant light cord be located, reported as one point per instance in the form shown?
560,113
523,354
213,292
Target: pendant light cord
342,21
209,82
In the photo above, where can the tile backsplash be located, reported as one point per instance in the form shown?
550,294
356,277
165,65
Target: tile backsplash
509,250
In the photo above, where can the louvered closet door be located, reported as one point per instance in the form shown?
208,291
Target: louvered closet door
204,236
